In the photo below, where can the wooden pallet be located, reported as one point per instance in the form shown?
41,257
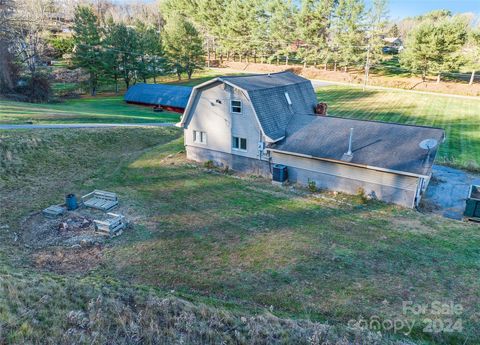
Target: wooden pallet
100,200
53,211
112,226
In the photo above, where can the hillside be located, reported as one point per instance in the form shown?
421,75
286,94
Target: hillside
212,257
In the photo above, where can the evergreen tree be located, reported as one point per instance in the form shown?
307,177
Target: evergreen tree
111,55
127,45
87,39
394,31
376,25
151,62
348,32
281,27
183,45
244,26
313,23
434,46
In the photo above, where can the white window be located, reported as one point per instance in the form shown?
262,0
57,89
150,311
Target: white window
239,143
287,96
236,107
199,137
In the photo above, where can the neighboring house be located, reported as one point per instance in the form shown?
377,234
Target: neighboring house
392,45
170,97
249,123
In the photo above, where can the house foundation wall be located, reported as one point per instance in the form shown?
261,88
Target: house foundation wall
388,187
235,162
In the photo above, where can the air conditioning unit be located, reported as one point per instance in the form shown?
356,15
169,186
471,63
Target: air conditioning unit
279,173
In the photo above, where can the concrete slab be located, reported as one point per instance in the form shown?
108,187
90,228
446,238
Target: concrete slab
448,190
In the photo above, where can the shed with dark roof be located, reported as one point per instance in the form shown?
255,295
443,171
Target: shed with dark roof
172,97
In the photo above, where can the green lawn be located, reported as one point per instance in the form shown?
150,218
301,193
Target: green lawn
241,245
83,110
100,109
460,117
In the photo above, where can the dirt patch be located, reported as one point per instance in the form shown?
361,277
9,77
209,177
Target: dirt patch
71,230
69,260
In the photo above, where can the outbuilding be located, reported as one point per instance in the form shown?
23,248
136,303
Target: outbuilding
169,97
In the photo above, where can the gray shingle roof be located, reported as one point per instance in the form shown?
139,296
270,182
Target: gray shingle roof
376,144
267,93
159,94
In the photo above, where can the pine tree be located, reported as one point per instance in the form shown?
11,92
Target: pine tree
244,26
150,46
183,45
281,27
313,23
375,27
125,41
434,46
87,39
111,56
348,32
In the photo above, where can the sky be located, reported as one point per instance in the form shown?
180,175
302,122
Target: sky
407,8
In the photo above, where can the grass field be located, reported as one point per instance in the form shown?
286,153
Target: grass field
460,117
83,110
241,246
100,109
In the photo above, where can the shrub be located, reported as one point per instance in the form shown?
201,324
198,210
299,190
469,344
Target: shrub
37,89
312,186
209,164
362,195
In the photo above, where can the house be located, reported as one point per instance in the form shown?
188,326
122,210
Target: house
249,123
392,44
170,97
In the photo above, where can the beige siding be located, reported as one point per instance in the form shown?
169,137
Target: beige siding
220,124
389,187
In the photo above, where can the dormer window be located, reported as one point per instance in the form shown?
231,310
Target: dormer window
236,107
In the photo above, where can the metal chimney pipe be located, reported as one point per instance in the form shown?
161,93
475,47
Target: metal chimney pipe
349,153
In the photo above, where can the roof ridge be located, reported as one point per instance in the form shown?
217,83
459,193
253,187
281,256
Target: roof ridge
256,75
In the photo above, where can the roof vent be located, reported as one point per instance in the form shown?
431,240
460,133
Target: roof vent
347,156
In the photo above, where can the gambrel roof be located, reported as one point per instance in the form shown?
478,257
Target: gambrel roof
267,95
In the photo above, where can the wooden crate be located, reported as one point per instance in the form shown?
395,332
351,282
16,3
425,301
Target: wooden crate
112,226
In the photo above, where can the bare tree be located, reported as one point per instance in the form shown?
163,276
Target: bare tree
7,34
34,17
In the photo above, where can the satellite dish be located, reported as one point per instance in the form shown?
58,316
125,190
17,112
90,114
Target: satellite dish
428,144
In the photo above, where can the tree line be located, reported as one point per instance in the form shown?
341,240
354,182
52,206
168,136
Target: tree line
123,43
332,33
117,51
107,49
